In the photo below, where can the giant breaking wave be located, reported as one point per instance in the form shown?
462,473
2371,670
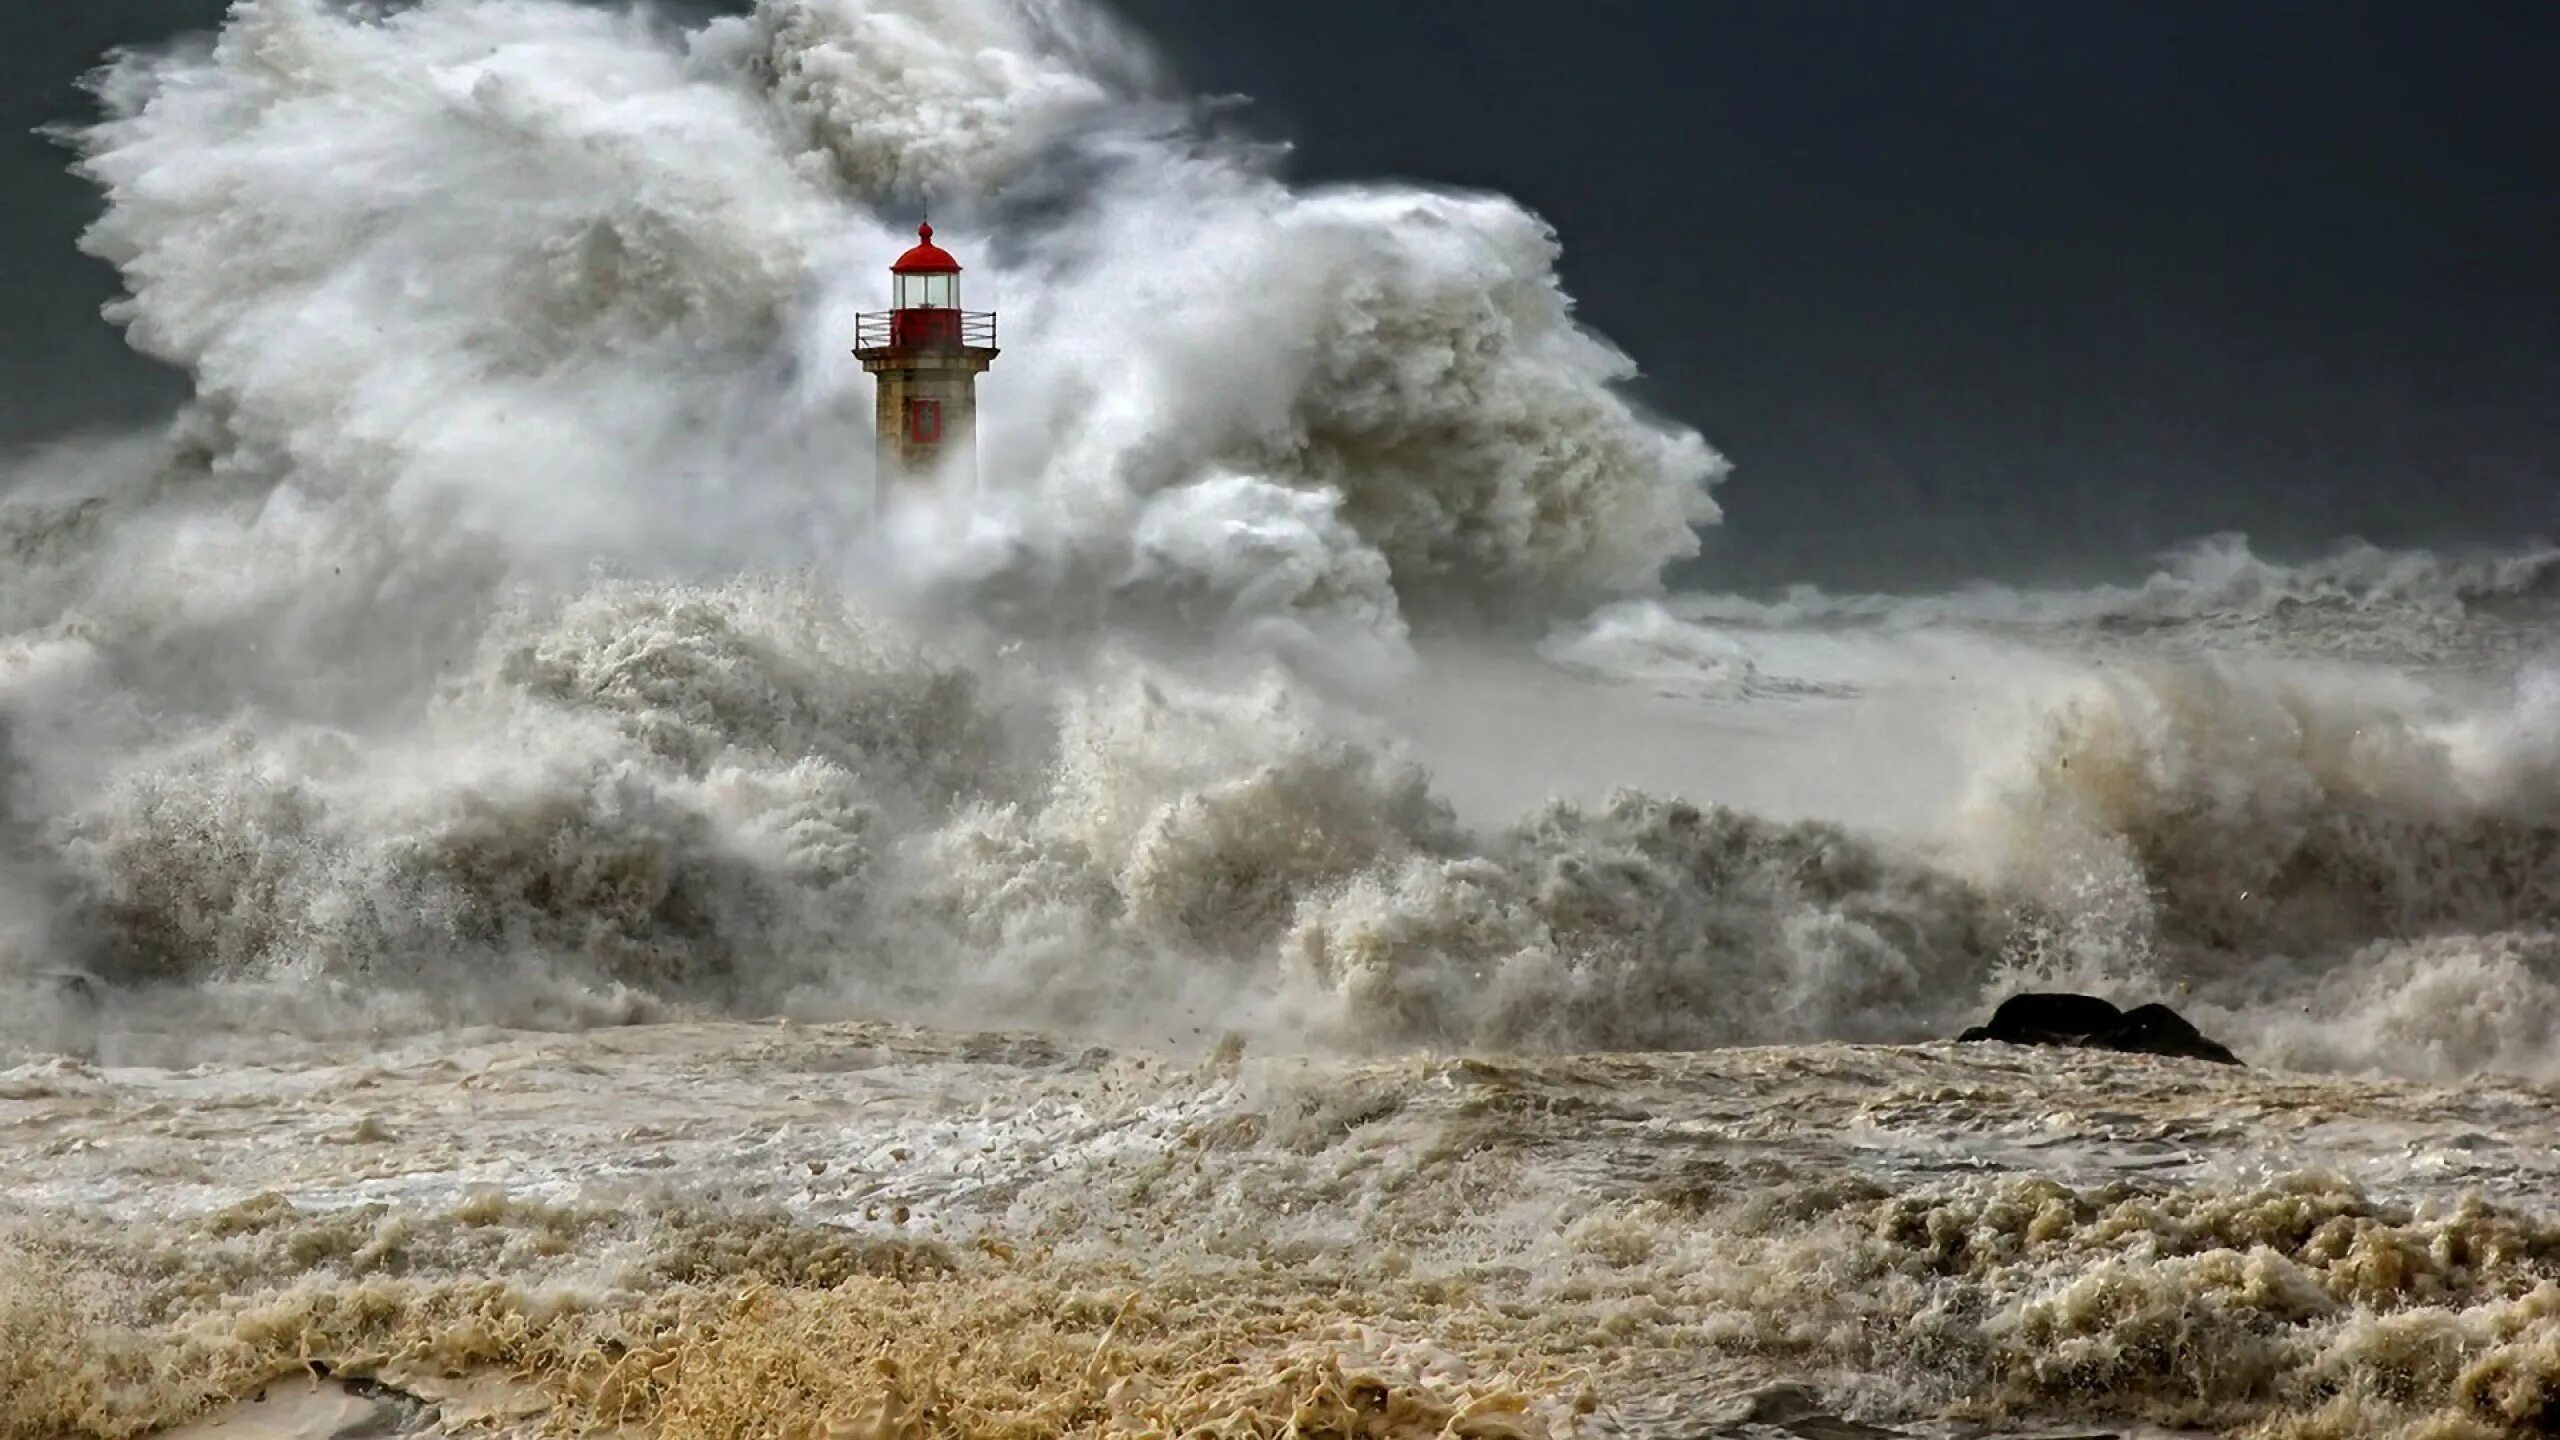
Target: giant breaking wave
504,633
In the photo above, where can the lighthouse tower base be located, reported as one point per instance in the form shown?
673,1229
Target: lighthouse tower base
927,412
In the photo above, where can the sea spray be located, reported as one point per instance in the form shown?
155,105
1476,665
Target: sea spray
457,783
505,630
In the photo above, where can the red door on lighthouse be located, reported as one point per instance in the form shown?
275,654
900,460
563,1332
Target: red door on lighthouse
924,421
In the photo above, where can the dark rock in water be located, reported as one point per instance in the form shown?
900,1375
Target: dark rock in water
2048,1020
2158,1030
2089,1023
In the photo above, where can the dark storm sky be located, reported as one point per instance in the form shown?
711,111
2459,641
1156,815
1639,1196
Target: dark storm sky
1994,287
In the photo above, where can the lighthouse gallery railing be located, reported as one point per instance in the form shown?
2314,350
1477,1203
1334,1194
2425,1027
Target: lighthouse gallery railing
924,329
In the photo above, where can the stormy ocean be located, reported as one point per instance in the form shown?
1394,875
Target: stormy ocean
527,909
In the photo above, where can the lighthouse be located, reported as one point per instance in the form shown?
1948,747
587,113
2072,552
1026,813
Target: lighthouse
928,354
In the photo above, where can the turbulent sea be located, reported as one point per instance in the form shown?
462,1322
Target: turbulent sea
529,906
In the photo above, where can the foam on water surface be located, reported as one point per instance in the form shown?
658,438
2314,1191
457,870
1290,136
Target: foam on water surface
1904,1231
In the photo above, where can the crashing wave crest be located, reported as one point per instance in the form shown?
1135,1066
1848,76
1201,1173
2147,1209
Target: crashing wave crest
564,280
508,624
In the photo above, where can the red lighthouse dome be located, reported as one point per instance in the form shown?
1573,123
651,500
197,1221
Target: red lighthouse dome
926,277
926,258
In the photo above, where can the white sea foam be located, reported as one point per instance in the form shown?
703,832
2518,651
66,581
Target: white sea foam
508,618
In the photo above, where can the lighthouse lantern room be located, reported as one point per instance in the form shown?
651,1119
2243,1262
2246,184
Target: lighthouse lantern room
927,354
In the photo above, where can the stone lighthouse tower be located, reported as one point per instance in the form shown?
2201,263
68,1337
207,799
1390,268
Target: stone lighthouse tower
928,354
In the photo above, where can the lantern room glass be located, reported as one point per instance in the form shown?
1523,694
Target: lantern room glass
928,292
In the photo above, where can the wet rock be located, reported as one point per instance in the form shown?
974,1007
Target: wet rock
2058,1019
2158,1030
2089,1023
